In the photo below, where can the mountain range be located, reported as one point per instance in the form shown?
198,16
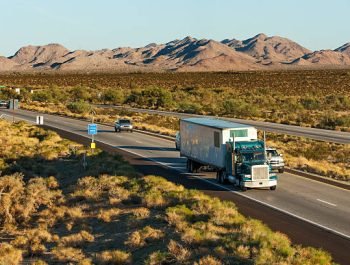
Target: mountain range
188,54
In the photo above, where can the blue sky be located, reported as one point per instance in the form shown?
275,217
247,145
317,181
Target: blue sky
97,24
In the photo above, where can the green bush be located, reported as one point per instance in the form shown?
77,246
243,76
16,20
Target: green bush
153,97
42,96
79,107
80,93
114,96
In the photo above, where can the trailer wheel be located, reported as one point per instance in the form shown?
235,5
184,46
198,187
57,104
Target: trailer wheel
273,187
218,176
190,166
195,167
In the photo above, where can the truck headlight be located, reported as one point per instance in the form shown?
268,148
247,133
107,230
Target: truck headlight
247,177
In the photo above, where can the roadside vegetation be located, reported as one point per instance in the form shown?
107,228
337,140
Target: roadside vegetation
317,98
55,211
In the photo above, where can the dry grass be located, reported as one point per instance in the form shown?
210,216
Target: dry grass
144,236
208,260
38,262
179,252
113,257
9,255
67,254
108,215
76,240
33,242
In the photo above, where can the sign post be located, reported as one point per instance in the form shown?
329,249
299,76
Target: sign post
92,130
40,120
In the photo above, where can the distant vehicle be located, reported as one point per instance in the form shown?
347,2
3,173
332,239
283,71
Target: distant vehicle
231,149
275,159
123,125
4,104
177,140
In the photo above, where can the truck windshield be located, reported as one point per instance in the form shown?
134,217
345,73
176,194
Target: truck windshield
253,156
271,153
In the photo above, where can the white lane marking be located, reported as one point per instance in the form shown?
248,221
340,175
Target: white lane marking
218,185
138,141
332,204
318,182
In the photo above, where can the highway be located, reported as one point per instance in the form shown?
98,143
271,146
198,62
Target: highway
312,133
310,212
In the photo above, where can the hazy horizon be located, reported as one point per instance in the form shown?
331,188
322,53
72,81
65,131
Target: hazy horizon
110,24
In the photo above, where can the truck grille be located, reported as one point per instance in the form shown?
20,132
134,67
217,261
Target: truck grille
260,172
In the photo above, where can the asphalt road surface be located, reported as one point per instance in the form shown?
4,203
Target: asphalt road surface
312,133
309,212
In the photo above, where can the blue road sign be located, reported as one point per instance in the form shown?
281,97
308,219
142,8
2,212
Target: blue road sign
92,129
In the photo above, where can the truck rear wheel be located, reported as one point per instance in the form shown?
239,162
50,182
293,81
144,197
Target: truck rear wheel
221,177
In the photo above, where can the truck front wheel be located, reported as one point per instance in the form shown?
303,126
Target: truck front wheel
273,187
241,185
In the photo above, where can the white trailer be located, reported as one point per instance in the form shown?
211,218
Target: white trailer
203,140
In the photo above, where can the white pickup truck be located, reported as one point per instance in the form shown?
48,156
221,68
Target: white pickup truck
275,159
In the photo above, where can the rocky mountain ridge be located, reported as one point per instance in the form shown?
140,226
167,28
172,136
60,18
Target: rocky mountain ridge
188,54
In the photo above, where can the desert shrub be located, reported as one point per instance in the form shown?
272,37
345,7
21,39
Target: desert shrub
144,236
86,261
42,96
68,254
114,96
310,256
79,107
310,103
159,257
239,108
19,200
33,241
190,107
80,93
113,257
107,215
180,253
38,262
76,240
208,260
101,188
9,255
157,97
141,213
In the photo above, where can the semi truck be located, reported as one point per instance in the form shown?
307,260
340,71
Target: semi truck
231,149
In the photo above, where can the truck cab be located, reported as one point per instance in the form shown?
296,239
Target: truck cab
246,165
